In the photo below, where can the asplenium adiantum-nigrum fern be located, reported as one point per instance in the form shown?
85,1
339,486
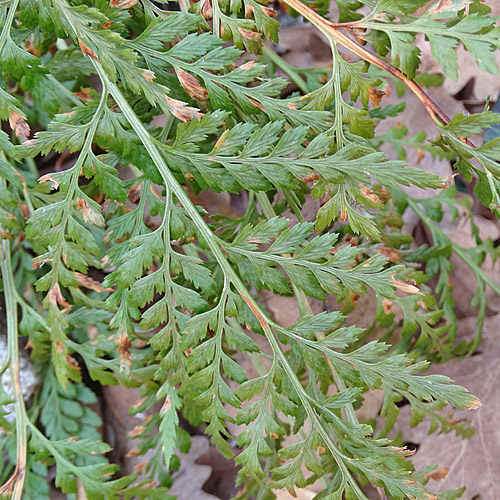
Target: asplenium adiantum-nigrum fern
99,290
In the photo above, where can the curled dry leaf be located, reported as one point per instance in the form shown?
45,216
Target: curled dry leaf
56,297
89,215
90,283
47,177
182,111
206,10
405,287
375,96
369,194
358,35
392,254
192,86
449,181
123,4
249,35
248,65
18,124
87,51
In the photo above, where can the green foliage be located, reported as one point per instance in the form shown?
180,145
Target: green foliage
116,278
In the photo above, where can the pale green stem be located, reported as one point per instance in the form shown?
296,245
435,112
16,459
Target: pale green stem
13,346
184,5
289,70
265,205
8,23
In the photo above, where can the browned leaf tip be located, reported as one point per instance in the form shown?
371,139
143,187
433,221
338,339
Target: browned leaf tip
421,155
84,94
311,177
56,297
249,35
38,263
89,215
387,305
258,105
18,124
392,254
53,181
476,403
405,287
148,75
369,194
136,431
268,11
123,342
445,5
375,96
206,10
123,4
249,10
87,51
248,65
192,86
182,111
90,283
437,474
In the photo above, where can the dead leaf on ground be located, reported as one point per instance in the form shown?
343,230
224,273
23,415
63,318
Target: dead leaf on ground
190,478
301,494
474,462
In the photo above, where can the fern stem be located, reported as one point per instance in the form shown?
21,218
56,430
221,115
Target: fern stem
17,479
8,22
265,205
286,68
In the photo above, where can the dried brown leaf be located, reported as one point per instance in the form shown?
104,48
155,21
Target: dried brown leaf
192,86
90,283
48,177
87,51
206,10
405,287
249,35
89,215
18,124
392,254
182,111
375,96
123,4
